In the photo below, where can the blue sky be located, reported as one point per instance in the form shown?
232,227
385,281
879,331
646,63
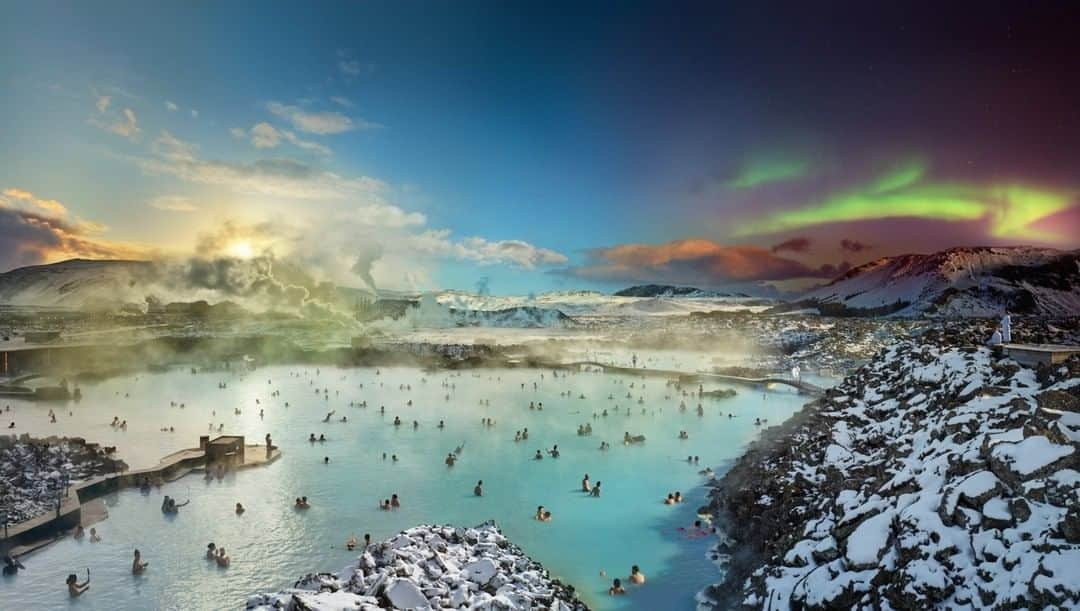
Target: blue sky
540,146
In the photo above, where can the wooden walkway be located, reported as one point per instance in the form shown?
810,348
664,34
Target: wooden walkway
800,385
43,529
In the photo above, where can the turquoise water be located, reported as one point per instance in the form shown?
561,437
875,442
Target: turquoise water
272,544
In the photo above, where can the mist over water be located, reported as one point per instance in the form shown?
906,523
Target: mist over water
272,545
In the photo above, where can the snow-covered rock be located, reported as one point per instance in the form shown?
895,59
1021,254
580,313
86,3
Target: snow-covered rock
431,567
930,478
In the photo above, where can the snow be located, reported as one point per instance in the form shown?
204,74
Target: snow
1030,455
972,275
430,567
866,545
951,499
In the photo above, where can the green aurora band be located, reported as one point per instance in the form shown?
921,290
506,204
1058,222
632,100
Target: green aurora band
769,170
1009,208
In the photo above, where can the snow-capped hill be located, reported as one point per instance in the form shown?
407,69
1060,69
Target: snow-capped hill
76,283
592,303
668,290
980,281
516,317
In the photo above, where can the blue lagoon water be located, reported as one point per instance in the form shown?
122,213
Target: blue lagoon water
272,544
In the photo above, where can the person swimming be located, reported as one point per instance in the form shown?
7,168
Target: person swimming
636,576
450,459
211,551
596,489
585,487
11,565
222,557
74,587
351,543
538,456
479,489
616,588
394,502
94,537
137,564
240,509
543,515
385,505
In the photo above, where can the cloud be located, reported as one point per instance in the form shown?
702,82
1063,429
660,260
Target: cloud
341,101
30,238
49,206
322,123
854,245
278,177
264,136
173,203
194,113
693,261
171,106
794,245
173,148
517,253
102,103
306,145
125,124
350,67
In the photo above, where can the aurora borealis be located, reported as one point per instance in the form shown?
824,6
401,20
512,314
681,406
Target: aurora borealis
1012,210
539,147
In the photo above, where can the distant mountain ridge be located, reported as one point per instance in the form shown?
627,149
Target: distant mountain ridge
669,290
963,281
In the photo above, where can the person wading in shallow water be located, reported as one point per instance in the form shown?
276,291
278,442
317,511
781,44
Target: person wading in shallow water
137,565
74,587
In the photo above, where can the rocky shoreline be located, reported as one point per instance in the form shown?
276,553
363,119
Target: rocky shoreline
939,475
431,567
32,472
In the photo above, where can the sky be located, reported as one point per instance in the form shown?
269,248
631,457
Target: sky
526,147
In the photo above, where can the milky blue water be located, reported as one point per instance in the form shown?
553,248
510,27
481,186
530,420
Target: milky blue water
272,543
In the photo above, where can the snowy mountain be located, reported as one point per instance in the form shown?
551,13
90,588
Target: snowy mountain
76,283
979,281
668,290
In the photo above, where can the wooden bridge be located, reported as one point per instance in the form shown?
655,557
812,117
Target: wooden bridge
800,385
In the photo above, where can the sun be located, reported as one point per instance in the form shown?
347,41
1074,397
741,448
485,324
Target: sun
241,250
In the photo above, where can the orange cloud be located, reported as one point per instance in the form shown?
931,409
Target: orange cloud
693,261
30,238
50,206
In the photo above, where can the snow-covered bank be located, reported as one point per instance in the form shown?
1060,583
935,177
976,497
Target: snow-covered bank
431,567
937,476
32,472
